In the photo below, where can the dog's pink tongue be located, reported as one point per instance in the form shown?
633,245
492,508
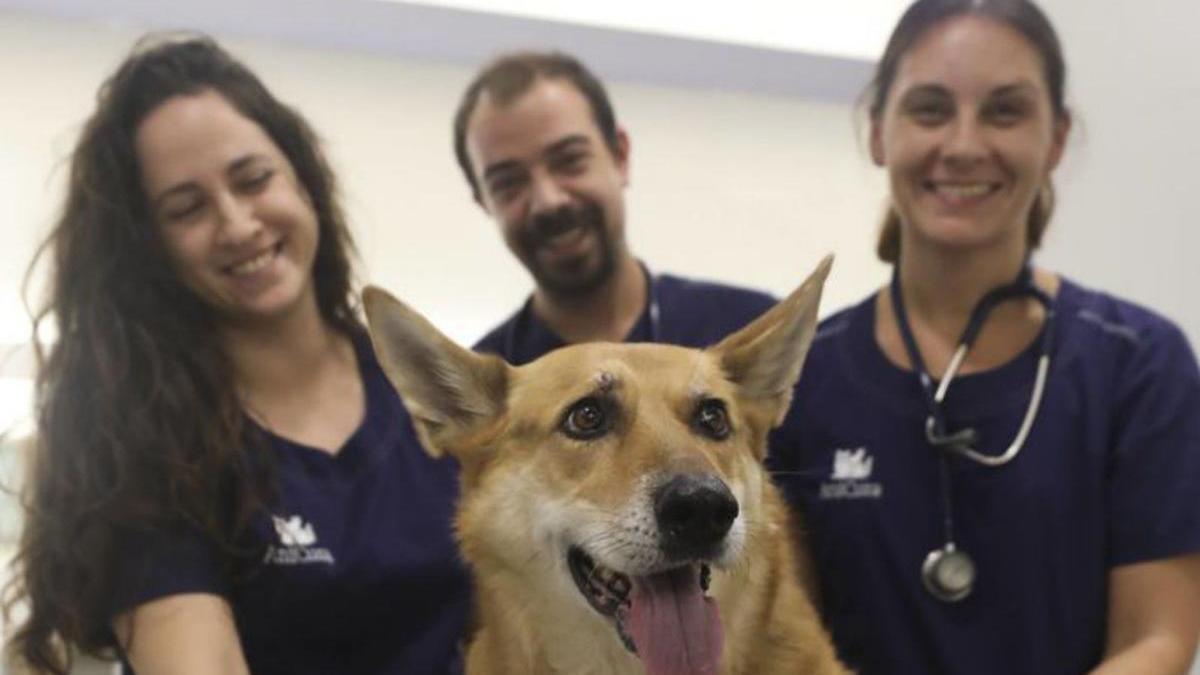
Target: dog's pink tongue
676,629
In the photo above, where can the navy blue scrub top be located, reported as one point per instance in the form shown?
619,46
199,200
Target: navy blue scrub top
678,311
1108,476
358,571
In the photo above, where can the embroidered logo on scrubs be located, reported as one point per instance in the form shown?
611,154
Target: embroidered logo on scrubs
297,539
293,531
849,479
852,464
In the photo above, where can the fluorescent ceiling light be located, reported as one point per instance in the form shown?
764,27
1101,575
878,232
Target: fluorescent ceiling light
847,28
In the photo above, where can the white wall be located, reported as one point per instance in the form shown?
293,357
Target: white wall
745,188
750,189
714,174
1128,219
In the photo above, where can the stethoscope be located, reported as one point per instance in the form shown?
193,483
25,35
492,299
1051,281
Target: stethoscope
653,314
948,572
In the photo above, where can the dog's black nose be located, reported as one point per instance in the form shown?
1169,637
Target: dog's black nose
694,513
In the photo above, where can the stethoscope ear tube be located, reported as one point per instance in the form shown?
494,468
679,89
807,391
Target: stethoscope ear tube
965,441
962,442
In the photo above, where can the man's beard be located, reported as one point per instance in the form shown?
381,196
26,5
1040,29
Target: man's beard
571,278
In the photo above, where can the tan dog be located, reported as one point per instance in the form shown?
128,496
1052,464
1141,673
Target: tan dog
614,509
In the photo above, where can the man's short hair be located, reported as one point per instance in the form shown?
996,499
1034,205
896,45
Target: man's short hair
511,75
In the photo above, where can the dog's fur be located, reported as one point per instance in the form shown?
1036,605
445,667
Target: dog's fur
531,490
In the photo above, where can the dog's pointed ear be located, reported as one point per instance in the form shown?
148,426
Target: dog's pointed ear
764,358
451,392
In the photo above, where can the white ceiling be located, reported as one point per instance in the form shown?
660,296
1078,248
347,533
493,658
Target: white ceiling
780,48
855,29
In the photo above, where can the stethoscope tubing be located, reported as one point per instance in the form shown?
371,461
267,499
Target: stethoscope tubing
964,449
961,442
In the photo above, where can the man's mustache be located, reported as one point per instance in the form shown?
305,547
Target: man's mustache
545,227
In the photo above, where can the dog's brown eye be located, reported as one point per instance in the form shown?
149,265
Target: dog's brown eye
712,419
586,419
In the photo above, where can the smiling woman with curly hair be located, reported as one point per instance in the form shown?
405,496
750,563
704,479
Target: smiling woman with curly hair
222,479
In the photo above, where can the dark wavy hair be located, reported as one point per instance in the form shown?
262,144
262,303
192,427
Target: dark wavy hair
509,76
139,428
1023,16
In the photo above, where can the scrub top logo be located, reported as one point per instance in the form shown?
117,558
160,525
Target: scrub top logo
294,532
297,540
850,477
852,464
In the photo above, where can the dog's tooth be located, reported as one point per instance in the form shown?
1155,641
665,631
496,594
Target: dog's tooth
620,585
608,576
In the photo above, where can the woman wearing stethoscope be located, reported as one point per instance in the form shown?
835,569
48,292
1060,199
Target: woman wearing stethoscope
1000,469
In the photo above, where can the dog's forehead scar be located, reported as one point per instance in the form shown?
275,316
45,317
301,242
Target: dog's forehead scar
605,382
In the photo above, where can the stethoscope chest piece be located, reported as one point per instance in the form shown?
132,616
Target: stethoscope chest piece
948,573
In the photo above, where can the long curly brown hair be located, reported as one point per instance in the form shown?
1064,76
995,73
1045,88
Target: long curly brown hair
139,428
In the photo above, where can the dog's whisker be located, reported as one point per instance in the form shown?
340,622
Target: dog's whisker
592,573
811,473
